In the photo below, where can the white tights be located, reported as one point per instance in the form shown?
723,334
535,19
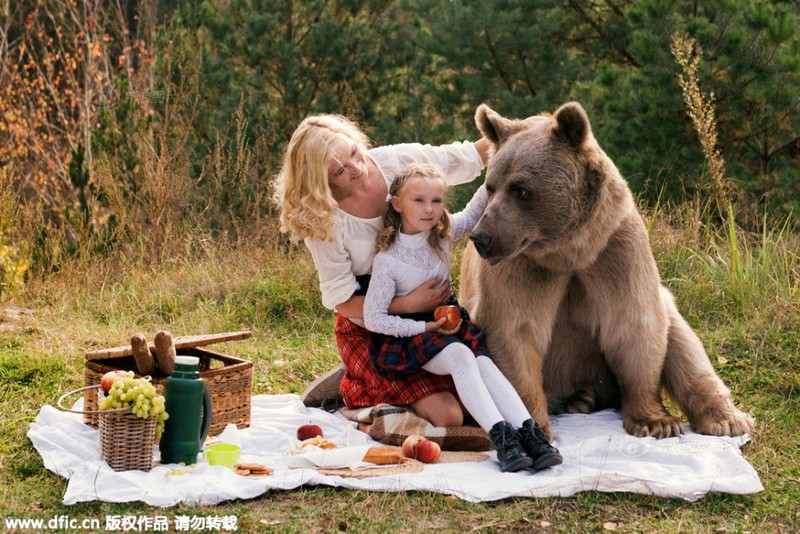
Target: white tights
483,389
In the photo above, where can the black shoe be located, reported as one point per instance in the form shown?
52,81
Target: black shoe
537,446
510,453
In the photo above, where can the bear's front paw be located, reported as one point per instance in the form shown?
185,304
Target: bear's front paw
662,427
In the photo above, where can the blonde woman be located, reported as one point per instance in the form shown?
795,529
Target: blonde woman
332,190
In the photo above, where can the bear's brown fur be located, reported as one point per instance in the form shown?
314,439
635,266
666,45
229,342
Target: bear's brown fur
568,292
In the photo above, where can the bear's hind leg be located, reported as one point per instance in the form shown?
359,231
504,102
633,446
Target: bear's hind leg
694,385
582,401
576,377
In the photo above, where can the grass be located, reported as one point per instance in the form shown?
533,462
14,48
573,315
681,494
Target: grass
747,312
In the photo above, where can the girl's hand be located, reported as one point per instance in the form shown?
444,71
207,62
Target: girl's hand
436,326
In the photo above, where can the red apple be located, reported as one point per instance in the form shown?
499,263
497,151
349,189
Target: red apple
452,313
409,443
108,379
308,431
427,451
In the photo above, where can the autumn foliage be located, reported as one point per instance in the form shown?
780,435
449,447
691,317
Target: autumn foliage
60,66
57,75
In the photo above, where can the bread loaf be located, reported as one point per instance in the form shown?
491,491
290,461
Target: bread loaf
384,456
317,441
165,352
145,364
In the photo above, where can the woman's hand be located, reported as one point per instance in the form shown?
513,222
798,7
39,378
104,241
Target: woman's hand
424,298
436,326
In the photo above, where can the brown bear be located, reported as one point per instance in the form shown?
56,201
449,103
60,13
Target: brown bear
567,290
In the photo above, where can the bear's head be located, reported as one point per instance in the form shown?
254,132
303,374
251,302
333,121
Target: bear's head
544,180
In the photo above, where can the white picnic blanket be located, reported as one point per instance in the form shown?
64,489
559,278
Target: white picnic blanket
598,456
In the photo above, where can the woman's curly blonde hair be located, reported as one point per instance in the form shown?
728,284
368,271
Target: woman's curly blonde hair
302,192
392,219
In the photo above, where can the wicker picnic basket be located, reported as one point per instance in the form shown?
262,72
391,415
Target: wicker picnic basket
126,441
229,379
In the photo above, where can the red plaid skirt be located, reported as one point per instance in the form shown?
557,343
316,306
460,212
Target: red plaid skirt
399,357
363,386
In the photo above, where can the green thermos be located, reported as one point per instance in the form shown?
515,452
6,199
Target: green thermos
189,407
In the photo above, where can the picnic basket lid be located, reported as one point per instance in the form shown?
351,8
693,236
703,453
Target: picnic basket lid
181,342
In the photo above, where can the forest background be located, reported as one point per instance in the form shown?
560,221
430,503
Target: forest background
139,140
131,122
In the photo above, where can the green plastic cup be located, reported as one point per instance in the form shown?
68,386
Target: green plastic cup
224,454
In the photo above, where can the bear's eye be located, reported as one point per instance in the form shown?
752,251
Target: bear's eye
520,192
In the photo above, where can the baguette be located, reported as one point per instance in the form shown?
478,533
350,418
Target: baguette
384,456
145,364
165,352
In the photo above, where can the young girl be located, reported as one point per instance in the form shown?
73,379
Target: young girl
414,247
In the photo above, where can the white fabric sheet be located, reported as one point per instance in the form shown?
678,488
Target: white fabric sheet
598,456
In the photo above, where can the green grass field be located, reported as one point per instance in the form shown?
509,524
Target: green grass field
740,292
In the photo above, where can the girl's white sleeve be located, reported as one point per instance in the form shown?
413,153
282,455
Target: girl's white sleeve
376,303
465,220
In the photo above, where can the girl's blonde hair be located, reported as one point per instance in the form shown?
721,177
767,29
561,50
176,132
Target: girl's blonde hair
302,192
392,219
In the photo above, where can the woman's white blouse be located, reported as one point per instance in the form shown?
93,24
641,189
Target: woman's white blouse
338,262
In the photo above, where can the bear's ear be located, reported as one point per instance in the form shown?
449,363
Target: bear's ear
572,125
493,127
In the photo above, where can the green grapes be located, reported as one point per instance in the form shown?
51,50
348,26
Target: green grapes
140,395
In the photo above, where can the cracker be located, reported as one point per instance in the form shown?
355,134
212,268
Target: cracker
252,467
252,470
265,473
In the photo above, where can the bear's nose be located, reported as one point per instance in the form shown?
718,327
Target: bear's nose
481,241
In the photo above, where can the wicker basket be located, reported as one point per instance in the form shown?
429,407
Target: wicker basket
229,379
126,441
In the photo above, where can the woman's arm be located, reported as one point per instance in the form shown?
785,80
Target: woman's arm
352,308
424,298
483,145
461,162
334,265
